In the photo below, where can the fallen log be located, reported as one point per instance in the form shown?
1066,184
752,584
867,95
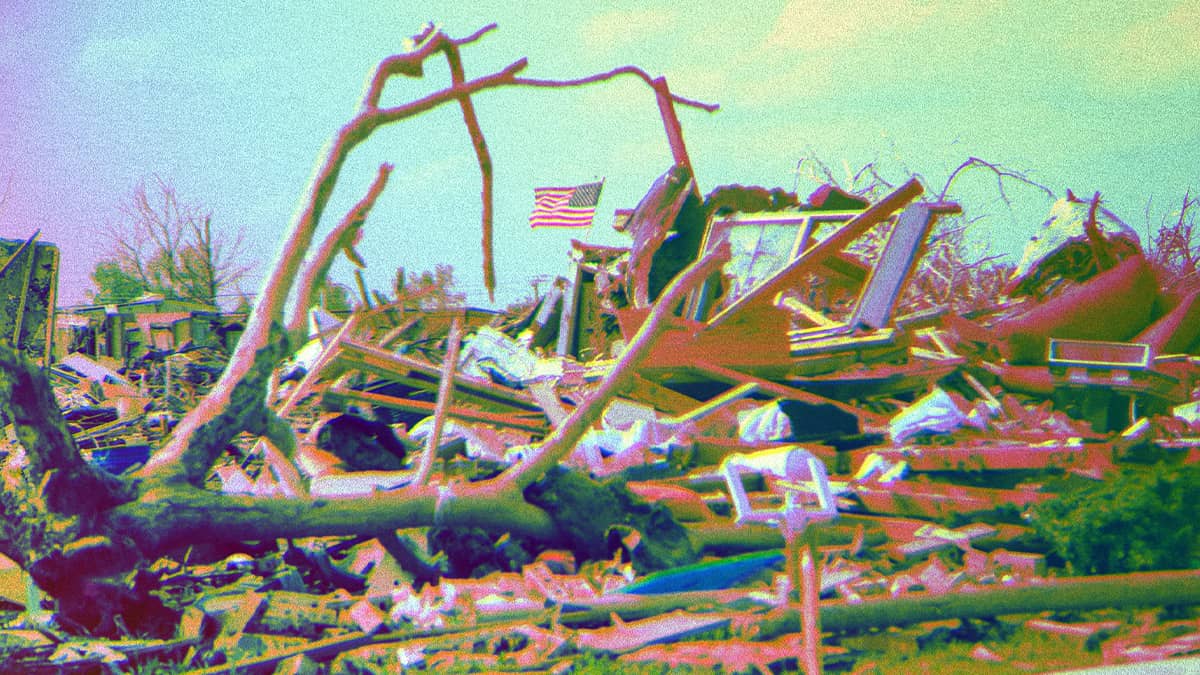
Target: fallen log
1118,591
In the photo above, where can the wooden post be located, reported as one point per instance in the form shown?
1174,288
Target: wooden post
810,607
30,251
806,588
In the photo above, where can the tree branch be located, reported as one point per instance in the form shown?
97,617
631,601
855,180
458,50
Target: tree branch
69,485
457,77
444,395
163,519
426,43
229,408
343,237
372,119
237,399
615,72
1001,174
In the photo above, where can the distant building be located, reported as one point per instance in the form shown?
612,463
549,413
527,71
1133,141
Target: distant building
152,322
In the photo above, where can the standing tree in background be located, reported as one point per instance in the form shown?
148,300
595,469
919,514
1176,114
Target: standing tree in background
114,284
163,245
434,289
1175,247
334,297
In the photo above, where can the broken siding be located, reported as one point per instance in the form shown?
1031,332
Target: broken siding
28,288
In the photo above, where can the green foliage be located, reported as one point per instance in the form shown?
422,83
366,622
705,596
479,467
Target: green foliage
520,307
334,297
591,663
114,284
727,199
1140,520
429,290
244,304
951,651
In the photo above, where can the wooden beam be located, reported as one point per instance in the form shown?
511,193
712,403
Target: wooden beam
937,500
662,398
386,364
328,353
736,393
893,269
444,396
1142,589
426,407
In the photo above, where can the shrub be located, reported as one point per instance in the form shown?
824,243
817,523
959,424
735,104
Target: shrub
1142,519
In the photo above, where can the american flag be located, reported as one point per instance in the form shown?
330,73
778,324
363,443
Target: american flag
565,206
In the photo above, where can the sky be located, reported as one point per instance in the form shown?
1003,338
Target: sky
233,103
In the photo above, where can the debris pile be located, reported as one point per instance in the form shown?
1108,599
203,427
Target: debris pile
770,427
736,444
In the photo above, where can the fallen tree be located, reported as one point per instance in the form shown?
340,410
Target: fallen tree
78,530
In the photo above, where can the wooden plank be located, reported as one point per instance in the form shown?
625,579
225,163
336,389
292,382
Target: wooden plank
14,276
444,396
28,286
51,304
386,364
16,254
939,500
895,265
426,407
845,265
736,393
998,457
310,376
882,379
810,343
566,321
1099,354
661,398
19,320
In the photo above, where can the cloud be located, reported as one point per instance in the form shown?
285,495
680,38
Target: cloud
612,32
812,73
809,25
1149,51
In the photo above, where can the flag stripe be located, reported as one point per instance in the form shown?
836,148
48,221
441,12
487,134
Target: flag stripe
565,206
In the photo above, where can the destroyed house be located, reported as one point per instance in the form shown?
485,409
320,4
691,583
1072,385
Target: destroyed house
152,322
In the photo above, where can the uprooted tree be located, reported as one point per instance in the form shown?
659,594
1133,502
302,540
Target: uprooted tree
78,530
